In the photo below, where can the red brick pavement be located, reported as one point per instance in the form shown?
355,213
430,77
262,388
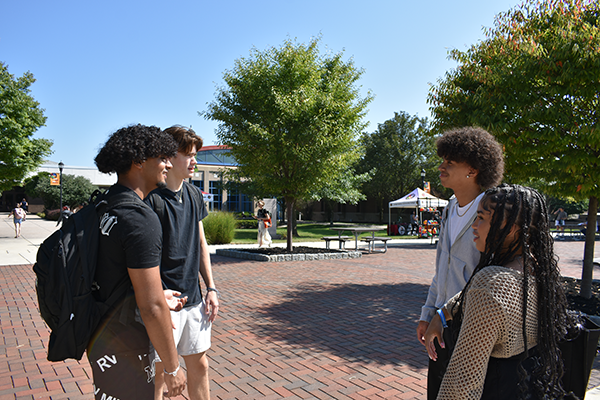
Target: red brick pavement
336,329
24,371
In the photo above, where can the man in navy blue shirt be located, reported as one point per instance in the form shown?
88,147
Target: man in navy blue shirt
186,259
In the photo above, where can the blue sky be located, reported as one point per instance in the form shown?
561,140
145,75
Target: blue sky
104,65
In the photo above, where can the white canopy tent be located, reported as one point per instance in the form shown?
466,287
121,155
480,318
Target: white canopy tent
416,199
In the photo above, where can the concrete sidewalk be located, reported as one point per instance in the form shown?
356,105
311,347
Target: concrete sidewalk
22,250
335,329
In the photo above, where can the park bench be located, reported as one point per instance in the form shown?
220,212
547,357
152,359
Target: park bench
372,240
571,229
341,239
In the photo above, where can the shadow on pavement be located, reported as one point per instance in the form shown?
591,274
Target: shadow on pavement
370,323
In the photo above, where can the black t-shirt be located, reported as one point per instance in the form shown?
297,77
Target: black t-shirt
262,213
180,214
130,237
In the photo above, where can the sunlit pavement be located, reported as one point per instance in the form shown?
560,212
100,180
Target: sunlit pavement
334,329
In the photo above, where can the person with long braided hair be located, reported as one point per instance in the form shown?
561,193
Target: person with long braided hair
510,316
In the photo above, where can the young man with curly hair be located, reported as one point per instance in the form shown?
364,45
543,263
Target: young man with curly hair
129,256
186,259
472,163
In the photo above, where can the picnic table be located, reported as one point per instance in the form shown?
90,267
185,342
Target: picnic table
357,230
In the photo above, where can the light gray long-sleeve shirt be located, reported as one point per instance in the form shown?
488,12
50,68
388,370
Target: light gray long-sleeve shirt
454,263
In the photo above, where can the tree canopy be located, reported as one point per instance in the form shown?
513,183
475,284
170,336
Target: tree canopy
291,116
533,83
20,117
395,154
76,190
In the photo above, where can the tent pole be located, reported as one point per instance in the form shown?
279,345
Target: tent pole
389,230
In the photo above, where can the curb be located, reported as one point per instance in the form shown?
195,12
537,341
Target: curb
240,253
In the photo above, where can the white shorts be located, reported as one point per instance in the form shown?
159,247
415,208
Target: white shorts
192,331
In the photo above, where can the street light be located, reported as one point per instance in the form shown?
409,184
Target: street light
60,168
423,177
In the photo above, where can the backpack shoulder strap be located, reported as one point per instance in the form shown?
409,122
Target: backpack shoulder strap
103,204
195,193
156,203
161,209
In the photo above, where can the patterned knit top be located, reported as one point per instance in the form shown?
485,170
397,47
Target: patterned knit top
492,327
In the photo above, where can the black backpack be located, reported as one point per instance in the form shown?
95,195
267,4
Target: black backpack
65,270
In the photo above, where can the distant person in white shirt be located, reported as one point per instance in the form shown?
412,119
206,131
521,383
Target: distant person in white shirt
19,215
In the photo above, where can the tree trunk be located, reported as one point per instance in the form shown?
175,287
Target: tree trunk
290,217
329,207
295,225
588,252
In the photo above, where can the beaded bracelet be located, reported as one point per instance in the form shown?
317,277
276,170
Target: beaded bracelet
442,317
174,373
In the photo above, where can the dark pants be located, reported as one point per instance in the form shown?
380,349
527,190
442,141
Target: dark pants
501,381
437,368
118,355
414,228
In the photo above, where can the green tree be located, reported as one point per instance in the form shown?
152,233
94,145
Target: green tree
345,190
20,117
76,190
395,154
291,117
569,204
533,83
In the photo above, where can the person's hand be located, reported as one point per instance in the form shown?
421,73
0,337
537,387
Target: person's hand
212,305
421,329
175,384
435,330
174,302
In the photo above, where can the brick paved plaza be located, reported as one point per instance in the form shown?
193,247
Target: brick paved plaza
336,329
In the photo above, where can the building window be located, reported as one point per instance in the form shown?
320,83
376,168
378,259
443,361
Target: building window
198,176
247,204
199,184
233,201
237,202
213,188
216,156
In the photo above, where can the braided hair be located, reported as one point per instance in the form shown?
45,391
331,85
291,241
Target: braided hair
525,208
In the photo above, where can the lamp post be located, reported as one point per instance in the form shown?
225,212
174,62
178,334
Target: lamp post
60,169
423,177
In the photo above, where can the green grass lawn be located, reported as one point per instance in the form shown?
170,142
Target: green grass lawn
308,233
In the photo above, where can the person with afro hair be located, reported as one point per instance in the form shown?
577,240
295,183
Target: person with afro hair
472,161
129,251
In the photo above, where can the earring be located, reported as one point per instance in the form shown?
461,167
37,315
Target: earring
468,176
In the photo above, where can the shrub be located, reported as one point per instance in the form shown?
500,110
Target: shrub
53,215
243,215
247,224
219,227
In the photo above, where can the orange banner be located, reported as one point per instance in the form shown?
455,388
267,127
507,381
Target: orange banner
55,179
